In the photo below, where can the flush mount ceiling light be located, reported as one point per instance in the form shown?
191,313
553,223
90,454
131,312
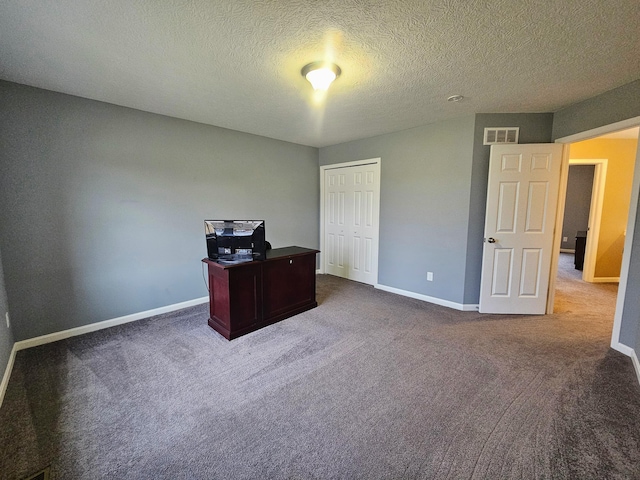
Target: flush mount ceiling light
455,98
321,74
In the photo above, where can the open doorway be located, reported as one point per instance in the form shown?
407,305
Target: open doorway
591,197
589,264
577,210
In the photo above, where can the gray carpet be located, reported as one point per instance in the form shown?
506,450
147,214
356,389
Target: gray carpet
368,385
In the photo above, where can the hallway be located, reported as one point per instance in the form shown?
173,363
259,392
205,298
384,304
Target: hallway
575,296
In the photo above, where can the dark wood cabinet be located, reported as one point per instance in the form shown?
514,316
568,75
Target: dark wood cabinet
247,296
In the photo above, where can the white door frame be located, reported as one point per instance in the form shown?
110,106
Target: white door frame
323,169
628,242
595,215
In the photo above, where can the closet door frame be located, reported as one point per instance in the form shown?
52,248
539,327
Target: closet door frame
323,252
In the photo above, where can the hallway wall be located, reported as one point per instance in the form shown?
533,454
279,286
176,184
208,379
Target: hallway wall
621,155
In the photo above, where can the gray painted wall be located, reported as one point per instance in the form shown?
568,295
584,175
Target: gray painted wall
630,326
578,203
6,334
426,177
616,105
534,128
102,207
610,107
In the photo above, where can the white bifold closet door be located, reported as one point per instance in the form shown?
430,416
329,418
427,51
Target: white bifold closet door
351,222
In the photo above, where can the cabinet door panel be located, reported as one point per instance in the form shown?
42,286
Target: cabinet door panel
288,284
219,297
245,294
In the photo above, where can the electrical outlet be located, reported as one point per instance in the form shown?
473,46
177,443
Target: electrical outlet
565,239
430,276
6,315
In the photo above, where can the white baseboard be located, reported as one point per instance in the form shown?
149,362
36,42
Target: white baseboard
7,373
426,298
606,280
636,364
72,332
630,352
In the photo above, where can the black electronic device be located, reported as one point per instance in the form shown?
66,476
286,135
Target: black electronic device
235,241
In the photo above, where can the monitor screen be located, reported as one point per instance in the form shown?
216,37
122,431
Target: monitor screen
235,241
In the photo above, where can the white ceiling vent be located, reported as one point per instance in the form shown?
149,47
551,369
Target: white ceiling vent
500,135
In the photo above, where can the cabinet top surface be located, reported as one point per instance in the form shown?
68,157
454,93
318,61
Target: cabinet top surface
288,252
272,254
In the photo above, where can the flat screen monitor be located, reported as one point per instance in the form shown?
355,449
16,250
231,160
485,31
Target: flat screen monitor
235,241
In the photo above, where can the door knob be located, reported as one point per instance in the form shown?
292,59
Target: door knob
491,240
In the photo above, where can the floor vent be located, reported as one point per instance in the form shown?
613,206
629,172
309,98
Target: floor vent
501,135
41,475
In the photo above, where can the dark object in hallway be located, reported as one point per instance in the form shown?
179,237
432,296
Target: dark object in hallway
581,243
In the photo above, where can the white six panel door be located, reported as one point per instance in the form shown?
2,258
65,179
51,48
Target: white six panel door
522,196
351,216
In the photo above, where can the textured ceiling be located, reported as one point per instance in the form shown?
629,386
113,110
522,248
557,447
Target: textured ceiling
236,63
